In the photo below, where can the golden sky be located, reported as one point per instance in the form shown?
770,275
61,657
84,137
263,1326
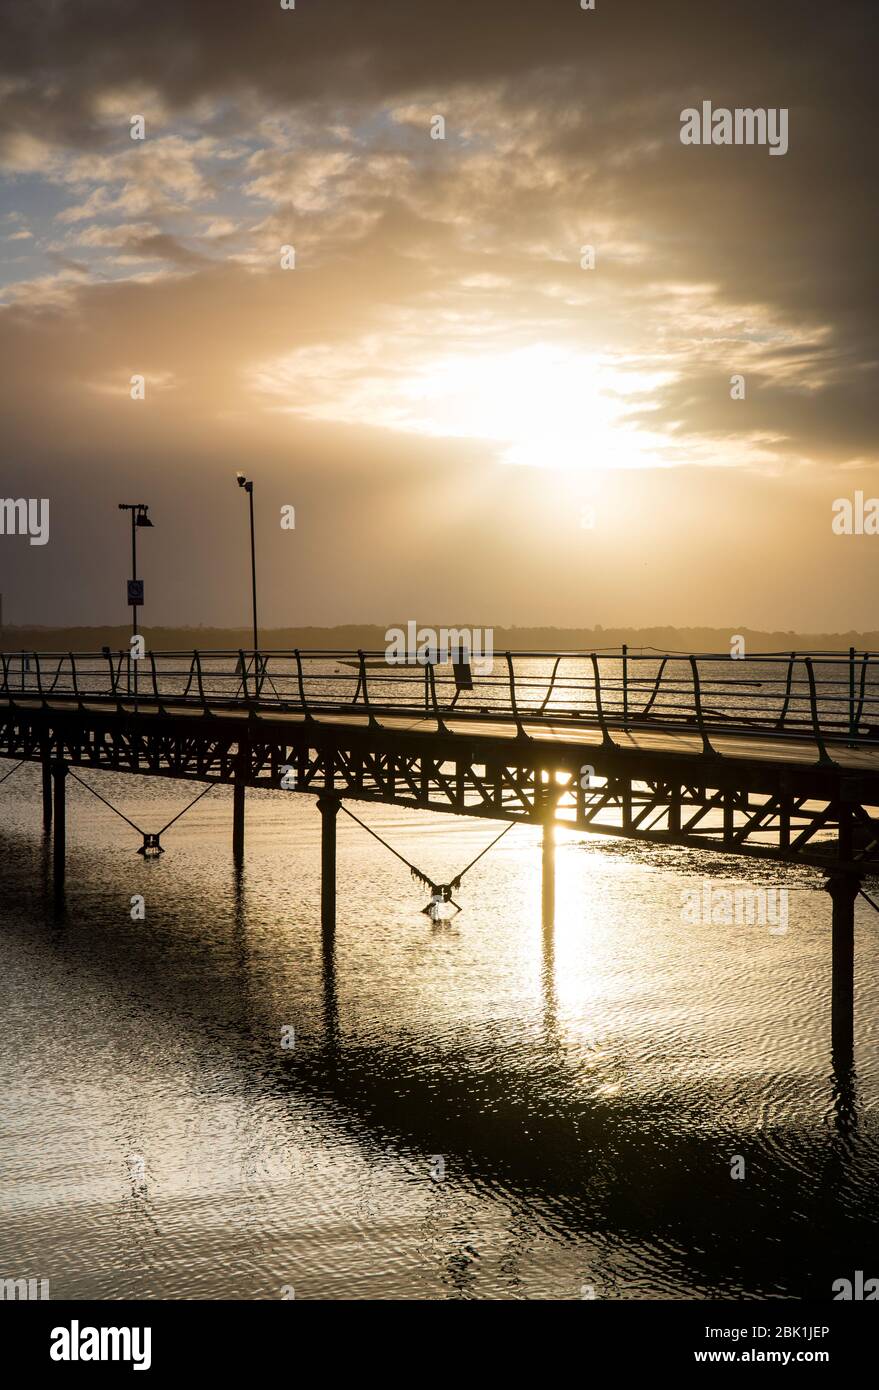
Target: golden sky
472,421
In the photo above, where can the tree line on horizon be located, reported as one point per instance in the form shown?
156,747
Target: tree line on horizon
371,637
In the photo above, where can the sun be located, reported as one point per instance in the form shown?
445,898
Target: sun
541,406
545,406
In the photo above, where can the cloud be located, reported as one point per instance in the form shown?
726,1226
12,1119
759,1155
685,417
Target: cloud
423,261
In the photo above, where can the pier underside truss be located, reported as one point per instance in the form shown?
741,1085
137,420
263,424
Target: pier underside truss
805,813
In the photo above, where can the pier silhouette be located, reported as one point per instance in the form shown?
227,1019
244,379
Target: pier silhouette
774,757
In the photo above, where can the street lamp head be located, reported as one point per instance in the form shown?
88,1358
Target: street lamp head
138,510
243,482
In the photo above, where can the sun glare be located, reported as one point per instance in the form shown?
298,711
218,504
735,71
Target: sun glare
542,406
546,407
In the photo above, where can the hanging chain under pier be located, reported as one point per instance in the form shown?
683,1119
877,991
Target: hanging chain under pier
440,892
867,898
152,846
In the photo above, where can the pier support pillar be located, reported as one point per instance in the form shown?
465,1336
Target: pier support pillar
328,806
47,791
843,889
59,839
548,877
239,789
238,795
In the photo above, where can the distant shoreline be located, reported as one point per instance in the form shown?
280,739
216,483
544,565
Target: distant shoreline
371,637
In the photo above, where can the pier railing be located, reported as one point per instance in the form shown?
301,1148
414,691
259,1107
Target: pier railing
819,696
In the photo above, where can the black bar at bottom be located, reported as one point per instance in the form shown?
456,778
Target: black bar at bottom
202,1337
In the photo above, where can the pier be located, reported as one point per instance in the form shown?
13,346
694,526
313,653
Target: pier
767,757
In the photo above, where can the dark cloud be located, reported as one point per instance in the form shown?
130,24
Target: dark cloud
346,52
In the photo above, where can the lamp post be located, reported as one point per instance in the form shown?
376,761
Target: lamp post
139,518
247,484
